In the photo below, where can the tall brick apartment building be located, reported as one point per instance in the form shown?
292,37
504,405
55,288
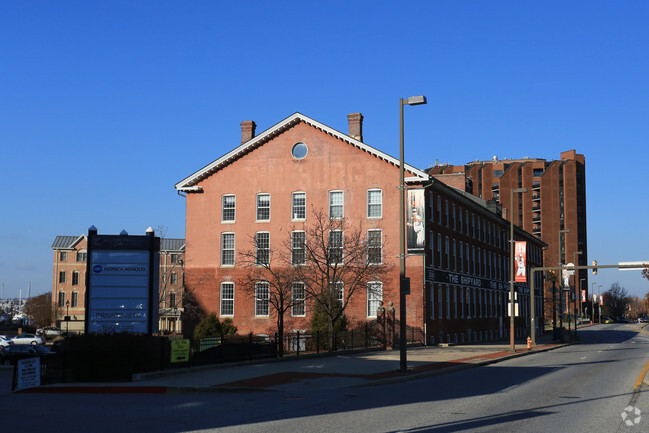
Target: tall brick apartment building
267,189
69,282
555,201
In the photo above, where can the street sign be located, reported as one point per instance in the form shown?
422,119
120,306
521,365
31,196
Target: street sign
633,266
179,350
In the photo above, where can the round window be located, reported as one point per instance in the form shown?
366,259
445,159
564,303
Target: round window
299,150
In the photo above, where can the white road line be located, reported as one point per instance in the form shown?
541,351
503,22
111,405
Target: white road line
507,389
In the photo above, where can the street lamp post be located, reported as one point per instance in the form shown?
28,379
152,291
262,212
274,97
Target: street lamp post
561,309
599,303
67,315
592,304
574,310
511,267
403,365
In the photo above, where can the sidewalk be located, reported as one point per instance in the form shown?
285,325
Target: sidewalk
336,371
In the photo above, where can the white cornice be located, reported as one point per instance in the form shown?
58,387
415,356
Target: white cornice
189,183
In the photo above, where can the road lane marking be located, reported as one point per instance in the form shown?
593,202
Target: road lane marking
584,357
507,389
638,382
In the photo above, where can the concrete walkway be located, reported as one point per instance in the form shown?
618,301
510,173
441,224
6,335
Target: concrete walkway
325,372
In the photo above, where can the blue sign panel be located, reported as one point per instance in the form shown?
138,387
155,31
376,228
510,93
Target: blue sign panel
122,284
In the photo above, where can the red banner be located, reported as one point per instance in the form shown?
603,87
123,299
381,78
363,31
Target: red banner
520,259
583,296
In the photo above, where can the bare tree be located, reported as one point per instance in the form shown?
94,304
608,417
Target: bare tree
41,309
616,300
340,260
271,276
323,263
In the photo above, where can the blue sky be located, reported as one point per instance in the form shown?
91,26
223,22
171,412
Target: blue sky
104,106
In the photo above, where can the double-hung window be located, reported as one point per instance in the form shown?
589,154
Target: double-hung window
340,292
374,297
336,208
298,206
335,249
298,256
82,256
61,299
75,278
75,300
61,276
374,247
227,249
262,293
228,208
298,307
263,207
227,299
262,240
374,203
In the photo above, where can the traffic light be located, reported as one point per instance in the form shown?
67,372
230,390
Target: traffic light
595,269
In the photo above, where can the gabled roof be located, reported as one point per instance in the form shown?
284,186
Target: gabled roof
189,183
66,242
172,244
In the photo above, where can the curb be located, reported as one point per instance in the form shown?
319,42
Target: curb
415,376
162,389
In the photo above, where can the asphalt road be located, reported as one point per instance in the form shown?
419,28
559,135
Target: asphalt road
580,388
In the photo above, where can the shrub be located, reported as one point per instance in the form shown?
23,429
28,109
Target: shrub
211,326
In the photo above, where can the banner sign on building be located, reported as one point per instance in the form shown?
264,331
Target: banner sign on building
122,283
520,259
415,218
601,299
444,277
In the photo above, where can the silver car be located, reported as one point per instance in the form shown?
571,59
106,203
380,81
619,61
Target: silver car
5,341
27,339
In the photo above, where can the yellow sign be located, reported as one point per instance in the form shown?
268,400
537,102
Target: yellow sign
179,350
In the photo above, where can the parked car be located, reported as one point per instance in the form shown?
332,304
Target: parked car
49,331
5,341
27,339
643,319
606,319
10,354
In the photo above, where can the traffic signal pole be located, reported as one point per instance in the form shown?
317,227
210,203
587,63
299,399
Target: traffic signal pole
637,265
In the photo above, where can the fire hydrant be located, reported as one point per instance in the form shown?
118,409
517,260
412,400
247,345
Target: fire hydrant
529,343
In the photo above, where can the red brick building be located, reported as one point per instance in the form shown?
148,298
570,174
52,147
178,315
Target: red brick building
268,187
555,202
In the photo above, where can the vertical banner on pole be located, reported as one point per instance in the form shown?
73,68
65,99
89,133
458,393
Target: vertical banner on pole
520,258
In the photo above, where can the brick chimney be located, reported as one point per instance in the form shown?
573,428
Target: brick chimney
355,126
247,130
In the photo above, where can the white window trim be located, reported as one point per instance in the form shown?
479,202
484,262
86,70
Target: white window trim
380,262
293,218
303,248
294,300
257,286
342,204
257,263
257,207
380,204
222,299
224,221
379,284
342,247
234,256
